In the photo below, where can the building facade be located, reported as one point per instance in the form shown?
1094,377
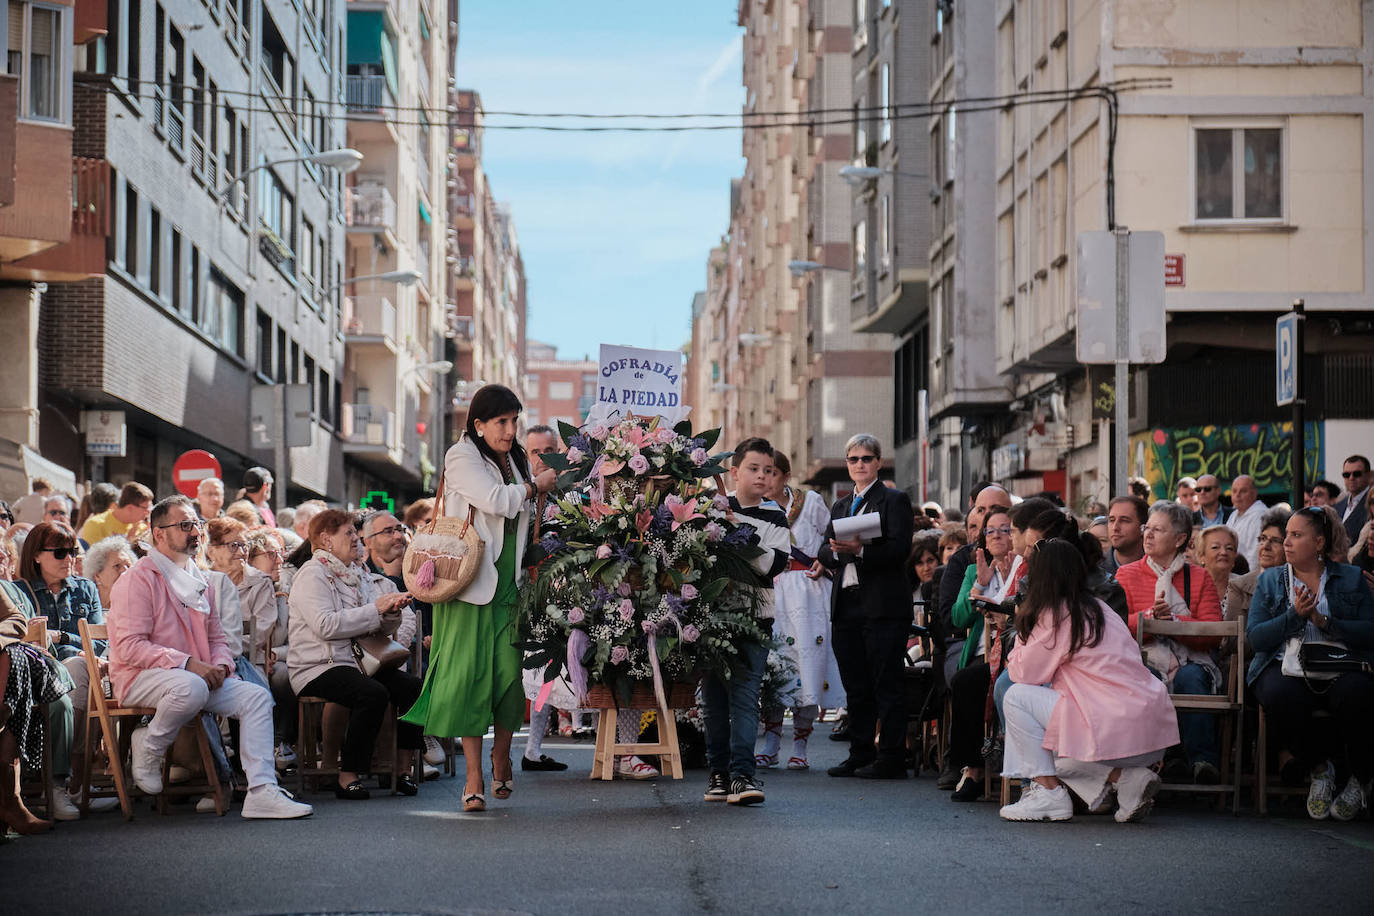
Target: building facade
556,390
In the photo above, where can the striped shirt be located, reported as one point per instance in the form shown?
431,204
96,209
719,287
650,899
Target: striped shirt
770,523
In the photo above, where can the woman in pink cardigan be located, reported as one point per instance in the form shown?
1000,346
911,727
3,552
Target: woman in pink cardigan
1103,719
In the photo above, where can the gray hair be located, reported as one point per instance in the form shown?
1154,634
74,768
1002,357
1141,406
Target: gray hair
864,440
1227,530
102,552
1180,519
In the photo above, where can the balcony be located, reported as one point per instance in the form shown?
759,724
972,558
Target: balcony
89,218
902,309
369,321
368,428
370,210
466,146
422,261
368,94
464,269
460,331
462,208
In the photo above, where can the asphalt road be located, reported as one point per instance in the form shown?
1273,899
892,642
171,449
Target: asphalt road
563,844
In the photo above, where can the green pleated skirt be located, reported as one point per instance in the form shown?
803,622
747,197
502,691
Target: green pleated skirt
473,679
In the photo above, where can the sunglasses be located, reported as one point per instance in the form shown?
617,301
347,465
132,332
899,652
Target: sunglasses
187,527
861,459
6,518
1003,530
63,553
1349,474
1205,489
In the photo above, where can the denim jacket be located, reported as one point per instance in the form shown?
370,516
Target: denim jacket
78,600
1272,620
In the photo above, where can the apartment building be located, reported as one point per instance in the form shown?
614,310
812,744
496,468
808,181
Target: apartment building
395,387
892,188
556,390
221,258
1253,159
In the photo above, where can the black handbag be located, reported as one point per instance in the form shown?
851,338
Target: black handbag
1329,658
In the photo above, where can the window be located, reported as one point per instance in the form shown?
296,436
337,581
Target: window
589,386
34,46
309,267
885,234
885,92
264,344
532,385
951,136
860,23
860,132
1252,191
310,377
276,59
222,321
910,377
196,282
860,247
560,391
326,388
130,260
154,239
277,210
175,282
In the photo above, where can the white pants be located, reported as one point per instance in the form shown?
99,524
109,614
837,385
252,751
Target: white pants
539,724
1028,708
180,696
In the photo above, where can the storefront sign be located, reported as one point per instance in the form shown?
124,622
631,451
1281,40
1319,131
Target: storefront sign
105,432
1261,450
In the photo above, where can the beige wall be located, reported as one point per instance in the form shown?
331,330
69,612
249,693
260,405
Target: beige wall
1235,24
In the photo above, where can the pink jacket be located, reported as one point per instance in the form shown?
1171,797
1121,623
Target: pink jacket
150,628
1110,706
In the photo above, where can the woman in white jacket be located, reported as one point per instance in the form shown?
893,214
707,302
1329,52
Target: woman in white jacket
332,601
473,680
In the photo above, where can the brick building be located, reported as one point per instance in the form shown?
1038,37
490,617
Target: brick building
556,389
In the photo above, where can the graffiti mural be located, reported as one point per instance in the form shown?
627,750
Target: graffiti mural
1262,450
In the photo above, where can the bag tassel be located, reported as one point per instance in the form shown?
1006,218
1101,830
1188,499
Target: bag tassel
424,577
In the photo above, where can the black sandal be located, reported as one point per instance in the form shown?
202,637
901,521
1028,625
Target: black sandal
354,791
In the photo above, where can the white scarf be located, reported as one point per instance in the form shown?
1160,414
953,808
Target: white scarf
186,582
1164,585
349,574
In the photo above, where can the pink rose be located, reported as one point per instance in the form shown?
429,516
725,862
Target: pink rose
619,654
599,432
627,610
624,590
665,435
689,592
690,633
603,552
639,464
575,455
576,615
699,456
714,532
720,501
550,512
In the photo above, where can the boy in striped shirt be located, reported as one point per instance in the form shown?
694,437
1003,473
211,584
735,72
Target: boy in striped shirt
732,706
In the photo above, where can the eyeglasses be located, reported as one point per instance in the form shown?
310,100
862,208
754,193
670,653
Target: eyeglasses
270,554
1206,489
1349,474
63,553
53,512
1271,542
187,527
861,459
396,530
1003,530
234,546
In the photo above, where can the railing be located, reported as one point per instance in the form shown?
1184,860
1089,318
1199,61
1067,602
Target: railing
198,153
369,206
465,266
367,92
465,141
369,424
460,328
176,125
369,315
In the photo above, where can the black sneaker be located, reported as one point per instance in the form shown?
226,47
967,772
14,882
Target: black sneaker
718,789
545,763
744,792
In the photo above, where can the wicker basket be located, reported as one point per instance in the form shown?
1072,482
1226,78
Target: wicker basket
445,567
679,694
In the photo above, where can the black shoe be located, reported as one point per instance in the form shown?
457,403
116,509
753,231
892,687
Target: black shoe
718,789
1205,774
949,778
405,785
545,763
969,789
743,791
354,791
848,767
1176,770
881,770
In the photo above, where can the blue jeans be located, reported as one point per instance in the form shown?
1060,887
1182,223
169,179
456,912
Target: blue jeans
1198,730
999,693
732,713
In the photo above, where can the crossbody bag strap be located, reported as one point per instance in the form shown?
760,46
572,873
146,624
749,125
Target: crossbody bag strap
1188,586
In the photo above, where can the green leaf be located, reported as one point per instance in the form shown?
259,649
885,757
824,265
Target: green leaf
595,569
684,428
718,457
556,461
569,478
713,589
710,437
566,431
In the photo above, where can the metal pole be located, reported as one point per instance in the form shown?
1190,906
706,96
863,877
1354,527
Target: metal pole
1120,453
280,456
1299,424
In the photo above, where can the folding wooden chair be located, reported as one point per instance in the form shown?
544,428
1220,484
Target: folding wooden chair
321,729
1263,788
107,714
1229,706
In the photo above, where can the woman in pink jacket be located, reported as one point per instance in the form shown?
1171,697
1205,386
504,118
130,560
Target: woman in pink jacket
1102,720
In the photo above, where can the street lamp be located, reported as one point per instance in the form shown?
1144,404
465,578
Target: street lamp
343,160
858,174
439,365
801,268
403,277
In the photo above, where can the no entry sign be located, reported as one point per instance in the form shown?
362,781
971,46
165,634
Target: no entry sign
191,468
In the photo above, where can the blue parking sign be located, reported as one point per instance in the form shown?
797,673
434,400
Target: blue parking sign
1286,359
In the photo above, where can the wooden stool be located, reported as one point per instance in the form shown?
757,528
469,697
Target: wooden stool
678,696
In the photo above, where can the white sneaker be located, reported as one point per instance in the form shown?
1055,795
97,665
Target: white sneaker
63,808
634,768
1350,802
1040,804
434,752
286,755
177,775
147,766
97,805
205,805
273,802
1320,792
430,772
1136,789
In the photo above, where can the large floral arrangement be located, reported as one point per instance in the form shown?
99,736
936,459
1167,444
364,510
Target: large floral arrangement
642,573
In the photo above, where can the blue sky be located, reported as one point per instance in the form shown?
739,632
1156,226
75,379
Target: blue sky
614,227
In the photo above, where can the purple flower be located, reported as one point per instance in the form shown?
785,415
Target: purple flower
674,603
580,442
619,654
603,552
689,592
648,626
741,536
697,442
575,454
627,610
699,456
720,501
690,633
639,464
576,615
714,531
665,435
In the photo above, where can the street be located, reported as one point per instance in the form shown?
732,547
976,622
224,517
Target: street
565,845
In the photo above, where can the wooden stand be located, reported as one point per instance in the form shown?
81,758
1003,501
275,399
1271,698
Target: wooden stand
679,696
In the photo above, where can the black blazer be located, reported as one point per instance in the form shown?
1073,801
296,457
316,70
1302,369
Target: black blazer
884,589
1356,521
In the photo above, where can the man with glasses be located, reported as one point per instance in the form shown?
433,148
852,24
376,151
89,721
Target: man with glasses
1354,506
168,651
1247,516
1209,509
133,505
58,510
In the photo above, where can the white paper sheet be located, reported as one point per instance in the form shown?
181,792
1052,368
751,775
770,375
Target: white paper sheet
865,527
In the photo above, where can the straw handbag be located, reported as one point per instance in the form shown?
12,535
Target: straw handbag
444,557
